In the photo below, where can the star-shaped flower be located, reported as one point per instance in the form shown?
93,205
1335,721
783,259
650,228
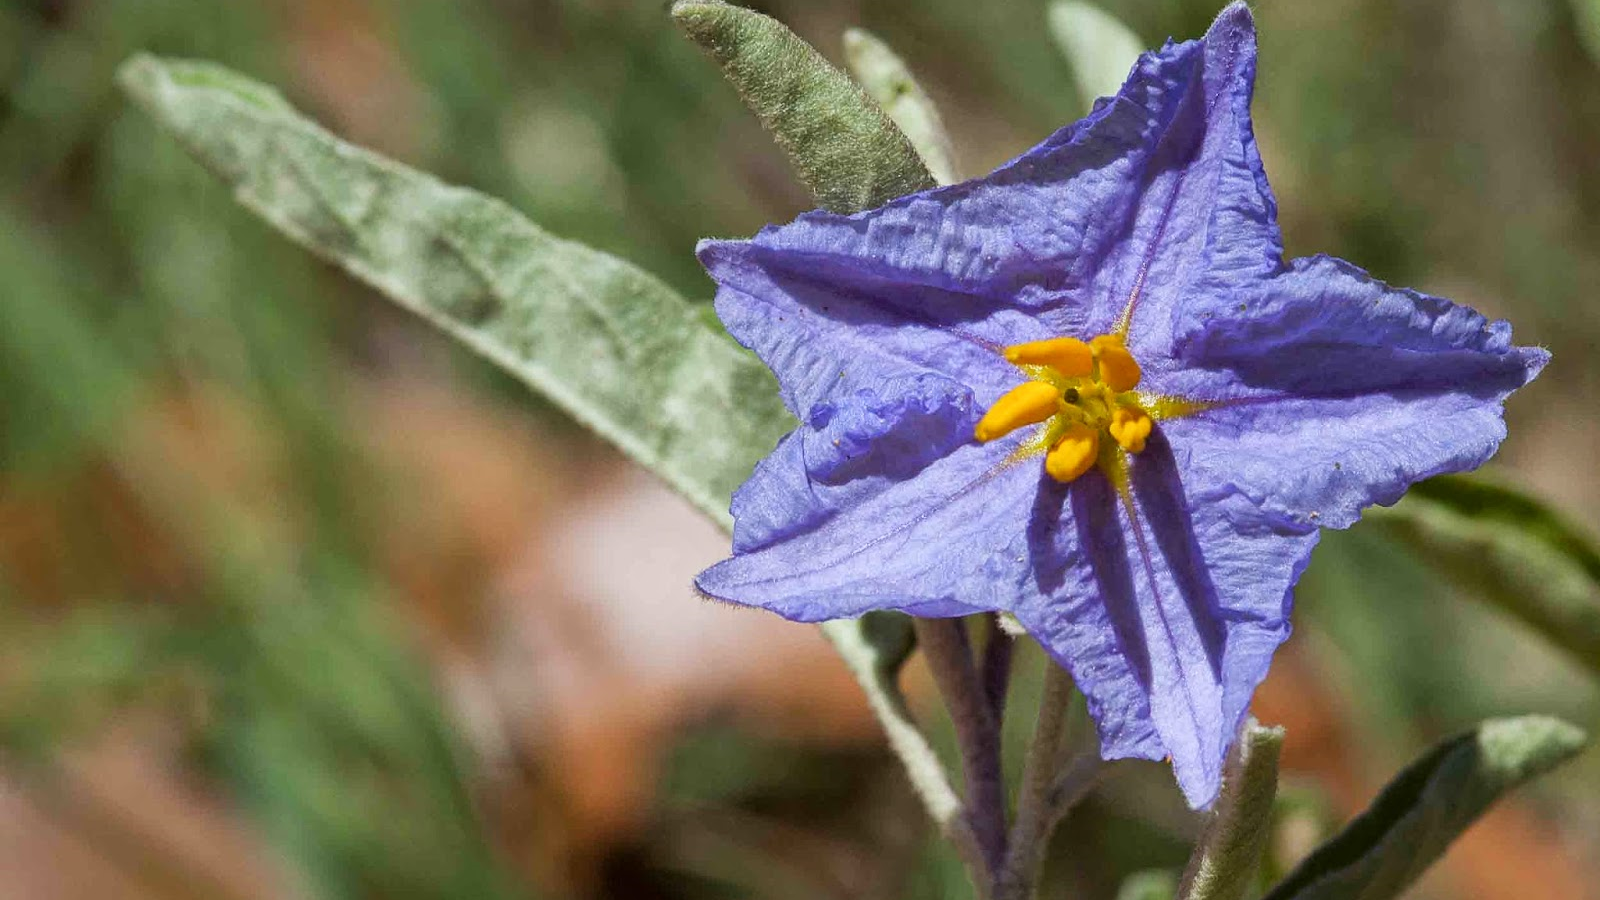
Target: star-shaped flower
1087,390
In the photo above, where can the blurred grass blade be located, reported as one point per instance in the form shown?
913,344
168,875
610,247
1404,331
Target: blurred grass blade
335,738
1586,14
1224,862
610,344
1100,49
1510,549
848,153
1153,884
71,671
886,78
65,380
1426,807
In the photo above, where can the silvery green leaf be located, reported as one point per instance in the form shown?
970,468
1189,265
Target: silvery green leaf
1510,549
846,151
1417,816
607,342
1100,49
887,79
1224,862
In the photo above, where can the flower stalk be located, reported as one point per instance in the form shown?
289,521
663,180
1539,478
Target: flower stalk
1036,816
948,651
998,649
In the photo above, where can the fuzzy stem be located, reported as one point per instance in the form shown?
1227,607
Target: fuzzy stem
1036,802
949,654
997,653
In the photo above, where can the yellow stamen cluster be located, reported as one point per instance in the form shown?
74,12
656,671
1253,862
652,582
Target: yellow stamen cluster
1083,390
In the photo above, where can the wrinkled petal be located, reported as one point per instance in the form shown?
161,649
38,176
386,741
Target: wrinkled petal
846,450
827,341
1169,614
1206,213
944,543
1335,391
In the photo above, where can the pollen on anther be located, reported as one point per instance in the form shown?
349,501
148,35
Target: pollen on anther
1118,369
1066,355
1074,454
1026,404
1130,428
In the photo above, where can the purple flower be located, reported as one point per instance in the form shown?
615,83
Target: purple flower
1087,390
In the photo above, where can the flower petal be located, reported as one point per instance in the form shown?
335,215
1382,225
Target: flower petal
1336,391
846,450
1177,622
1206,212
949,542
827,336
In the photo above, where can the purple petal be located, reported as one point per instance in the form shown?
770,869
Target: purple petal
846,450
949,542
827,336
1206,212
1173,626
1337,391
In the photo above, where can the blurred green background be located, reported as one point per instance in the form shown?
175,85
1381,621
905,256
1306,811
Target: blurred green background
298,600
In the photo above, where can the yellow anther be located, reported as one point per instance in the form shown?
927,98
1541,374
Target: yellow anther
1130,428
1074,454
1118,369
1025,404
1066,355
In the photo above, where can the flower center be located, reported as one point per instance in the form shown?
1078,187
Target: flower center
1083,390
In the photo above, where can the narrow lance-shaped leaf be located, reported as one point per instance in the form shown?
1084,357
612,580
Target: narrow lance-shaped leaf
1100,49
1426,807
1511,550
609,343
848,153
1224,862
886,77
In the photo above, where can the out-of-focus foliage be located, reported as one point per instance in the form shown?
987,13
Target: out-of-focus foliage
1152,885
1424,808
1100,48
1512,550
1444,143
